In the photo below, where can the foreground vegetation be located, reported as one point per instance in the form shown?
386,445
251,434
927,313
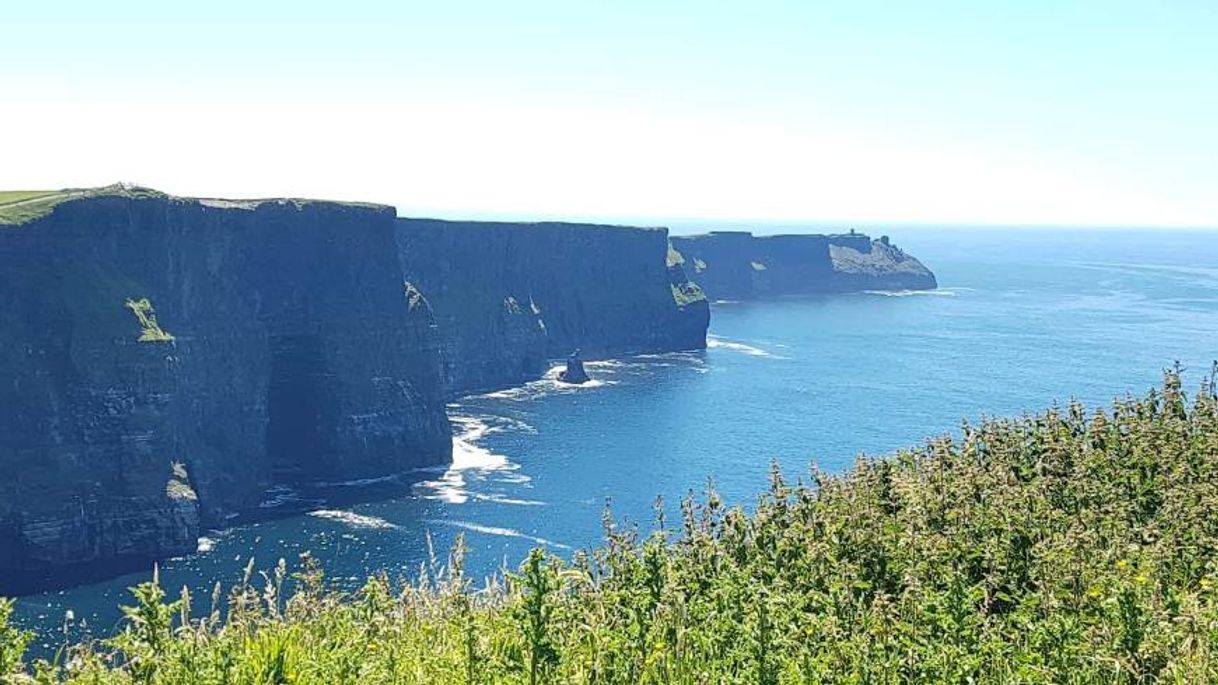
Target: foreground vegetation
1067,547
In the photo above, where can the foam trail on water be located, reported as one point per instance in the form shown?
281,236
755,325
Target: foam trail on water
496,530
353,519
942,292
715,342
500,499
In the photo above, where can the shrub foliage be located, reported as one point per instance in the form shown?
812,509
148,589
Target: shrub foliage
1065,547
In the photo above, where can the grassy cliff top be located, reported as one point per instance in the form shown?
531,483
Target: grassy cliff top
1064,547
710,235
472,223
23,206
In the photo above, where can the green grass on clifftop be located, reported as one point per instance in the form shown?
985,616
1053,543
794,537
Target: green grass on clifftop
20,207
1065,547
10,196
23,206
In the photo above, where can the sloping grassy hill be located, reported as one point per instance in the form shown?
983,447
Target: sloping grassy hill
10,196
23,206
20,206
1066,547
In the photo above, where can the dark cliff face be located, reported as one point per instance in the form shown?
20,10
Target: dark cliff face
165,361
510,297
735,265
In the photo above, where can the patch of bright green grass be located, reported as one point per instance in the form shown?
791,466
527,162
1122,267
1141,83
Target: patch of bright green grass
19,207
8,196
687,293
150,330
674,258
25,206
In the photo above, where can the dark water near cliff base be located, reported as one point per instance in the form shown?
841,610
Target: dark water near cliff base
1023,319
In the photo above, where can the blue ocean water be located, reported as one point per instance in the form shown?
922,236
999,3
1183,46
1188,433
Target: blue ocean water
1023,319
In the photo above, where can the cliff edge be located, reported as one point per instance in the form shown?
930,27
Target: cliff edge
167,360
736,265
510,297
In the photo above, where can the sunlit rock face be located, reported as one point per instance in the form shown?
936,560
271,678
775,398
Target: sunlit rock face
165,361
735,265
510,297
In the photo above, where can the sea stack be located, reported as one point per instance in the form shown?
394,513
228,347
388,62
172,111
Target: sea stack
574,373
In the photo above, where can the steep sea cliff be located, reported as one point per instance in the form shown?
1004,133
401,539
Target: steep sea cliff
166,361
509,297
169,365
736,265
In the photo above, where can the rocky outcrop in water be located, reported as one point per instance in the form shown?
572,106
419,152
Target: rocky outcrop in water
735,265
575,373
509,297
165,361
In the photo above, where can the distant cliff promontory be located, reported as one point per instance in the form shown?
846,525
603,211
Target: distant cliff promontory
736,265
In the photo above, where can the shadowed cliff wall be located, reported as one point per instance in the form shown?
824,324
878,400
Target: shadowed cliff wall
509,297
284,350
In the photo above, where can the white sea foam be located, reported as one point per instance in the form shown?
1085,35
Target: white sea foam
206,545
496,530
501,499
686,356
469,459
715,342
602,364
353,519
941,292
549,384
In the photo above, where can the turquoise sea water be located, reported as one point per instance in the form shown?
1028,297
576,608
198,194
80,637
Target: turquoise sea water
1023,319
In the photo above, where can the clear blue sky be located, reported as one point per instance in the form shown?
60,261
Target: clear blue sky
1018,112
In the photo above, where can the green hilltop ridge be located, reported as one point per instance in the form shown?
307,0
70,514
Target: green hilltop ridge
18,207
21,207
1068,546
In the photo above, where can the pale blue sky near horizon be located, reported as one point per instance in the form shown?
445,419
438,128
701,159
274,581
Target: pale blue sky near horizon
1061,113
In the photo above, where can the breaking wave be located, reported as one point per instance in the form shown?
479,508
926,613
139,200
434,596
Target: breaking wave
470,461
549,384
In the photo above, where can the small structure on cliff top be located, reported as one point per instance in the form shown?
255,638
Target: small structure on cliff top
574,373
